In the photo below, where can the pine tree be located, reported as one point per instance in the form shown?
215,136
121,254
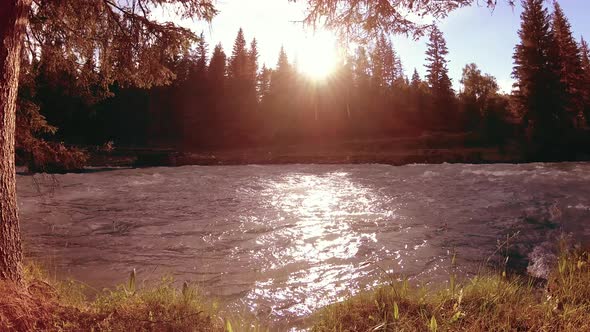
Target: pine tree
202,50
283,62
570,66
281,76
280,100
438,79
585,65
253,60
264,82
238,63
361,68
386,64
377,66
362,80
438,73
217,84
416,80
252,84
539,93
217,66
585,56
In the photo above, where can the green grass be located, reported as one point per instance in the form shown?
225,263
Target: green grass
44,304
488,302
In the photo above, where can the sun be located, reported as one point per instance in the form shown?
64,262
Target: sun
318,55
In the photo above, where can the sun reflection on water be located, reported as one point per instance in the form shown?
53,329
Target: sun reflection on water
314,258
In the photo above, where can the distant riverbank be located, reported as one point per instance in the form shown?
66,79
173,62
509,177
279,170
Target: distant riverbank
431,149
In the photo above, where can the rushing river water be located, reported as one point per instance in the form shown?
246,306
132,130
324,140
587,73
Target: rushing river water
281,241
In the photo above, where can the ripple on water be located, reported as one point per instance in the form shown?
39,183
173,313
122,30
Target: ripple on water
285,240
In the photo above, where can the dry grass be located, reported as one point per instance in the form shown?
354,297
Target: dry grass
43,305
491,302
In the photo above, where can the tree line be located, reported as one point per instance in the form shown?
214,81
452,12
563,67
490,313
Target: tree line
229,100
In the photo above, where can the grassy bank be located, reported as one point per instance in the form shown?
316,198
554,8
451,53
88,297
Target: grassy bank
42,304
488,302
492,302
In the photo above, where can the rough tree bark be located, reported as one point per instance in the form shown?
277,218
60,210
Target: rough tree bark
13,21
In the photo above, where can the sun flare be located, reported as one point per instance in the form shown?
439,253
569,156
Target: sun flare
319,55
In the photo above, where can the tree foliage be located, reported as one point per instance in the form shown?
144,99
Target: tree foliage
368,18
540,95
570,65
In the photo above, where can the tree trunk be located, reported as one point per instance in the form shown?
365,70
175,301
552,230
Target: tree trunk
13,21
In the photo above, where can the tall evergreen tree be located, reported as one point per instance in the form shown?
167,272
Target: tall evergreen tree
585,64
539,92
378,58
361,67
217,83
416,80
241,86
280,100
238,63
252,84
217,66
202,50
282,76
283,62
263,86
585,56
570,66
253,56
362,81
438,79
438,73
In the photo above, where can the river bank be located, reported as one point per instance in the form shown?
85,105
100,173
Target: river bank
489,301
433,149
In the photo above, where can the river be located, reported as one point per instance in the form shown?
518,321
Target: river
281,241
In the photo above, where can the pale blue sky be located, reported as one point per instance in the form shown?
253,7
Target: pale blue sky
473,34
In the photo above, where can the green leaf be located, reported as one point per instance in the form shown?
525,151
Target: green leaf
433,326
395,311
132,277
456,316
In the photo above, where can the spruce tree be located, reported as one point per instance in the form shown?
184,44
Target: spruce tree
252,78
570,66
416,80
217,83
438,79
263,85
585,64
362,79
585,56
361,68
238,63
253,61
378,59
202,50
217,66
539,93
241,87
387,68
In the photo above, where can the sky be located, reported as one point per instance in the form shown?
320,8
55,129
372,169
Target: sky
473,34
